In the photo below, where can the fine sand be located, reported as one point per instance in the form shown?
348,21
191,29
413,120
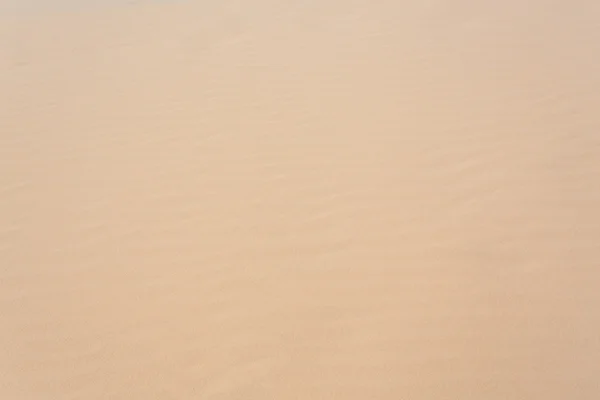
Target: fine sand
315,199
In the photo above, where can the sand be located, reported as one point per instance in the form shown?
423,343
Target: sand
323,199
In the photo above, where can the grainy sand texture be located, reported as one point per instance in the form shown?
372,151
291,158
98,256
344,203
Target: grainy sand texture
313,199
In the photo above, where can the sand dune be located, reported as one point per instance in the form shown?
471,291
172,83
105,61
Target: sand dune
300,200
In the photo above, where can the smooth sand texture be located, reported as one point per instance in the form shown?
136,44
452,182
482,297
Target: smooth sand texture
301,200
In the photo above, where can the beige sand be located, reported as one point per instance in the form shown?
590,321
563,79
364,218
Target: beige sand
315,199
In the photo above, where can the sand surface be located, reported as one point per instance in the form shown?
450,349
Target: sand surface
316,199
